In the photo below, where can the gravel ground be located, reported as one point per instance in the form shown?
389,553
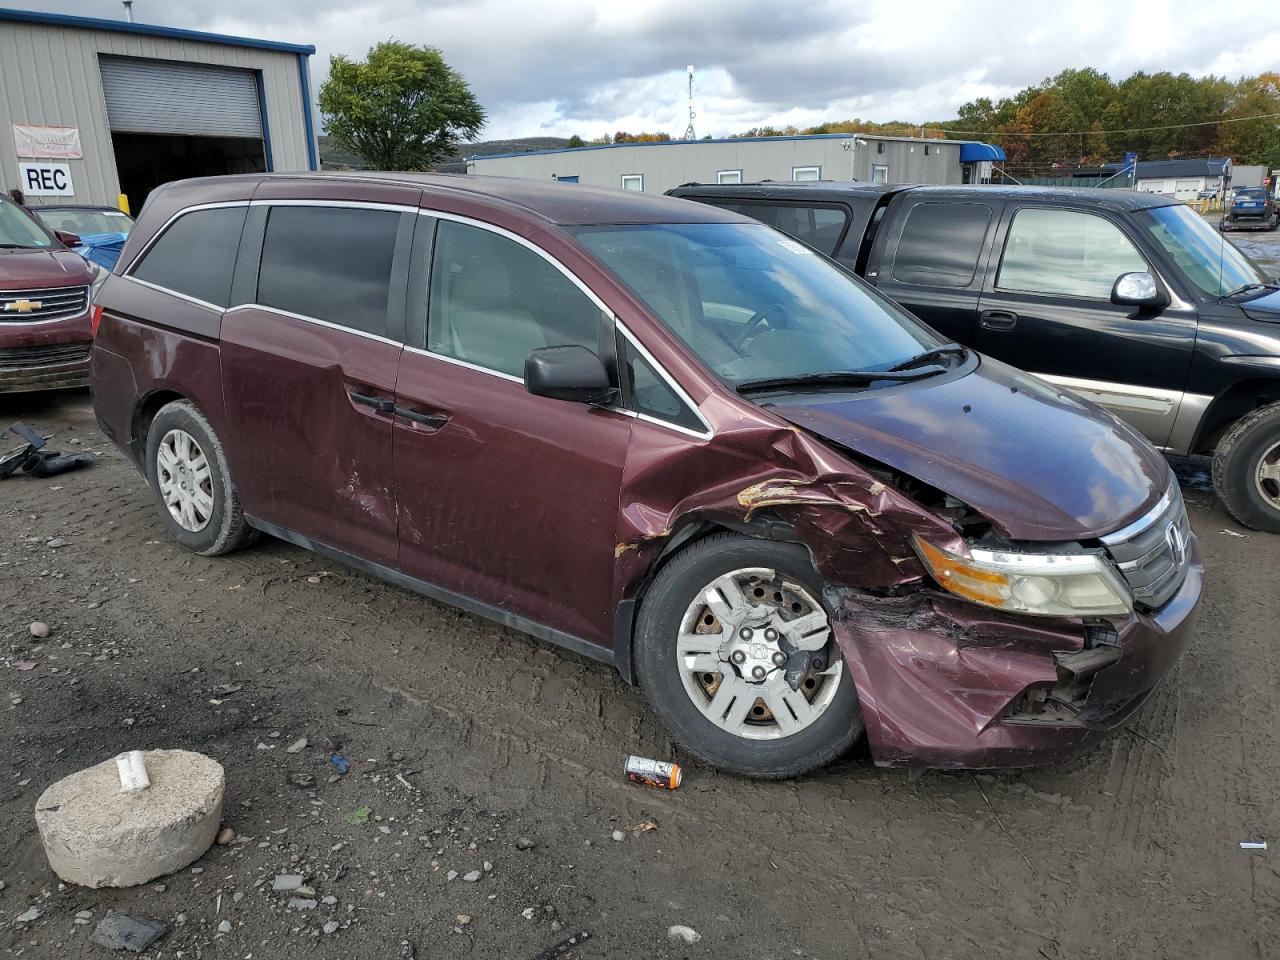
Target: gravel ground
473,748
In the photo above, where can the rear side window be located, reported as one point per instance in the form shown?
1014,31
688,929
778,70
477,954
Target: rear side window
196,255
1066,252
330,263
819,227
494,301
941,243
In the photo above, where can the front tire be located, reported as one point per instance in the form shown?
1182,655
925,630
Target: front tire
722,625
1246,470
190,479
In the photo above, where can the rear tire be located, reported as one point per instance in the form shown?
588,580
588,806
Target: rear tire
190,479
776,735
1246,469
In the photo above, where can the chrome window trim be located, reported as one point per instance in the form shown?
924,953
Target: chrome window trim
316,320
146,248
174,293
573,278
342,204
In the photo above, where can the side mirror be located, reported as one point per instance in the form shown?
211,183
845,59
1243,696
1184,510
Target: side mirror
1137,290
67,237
571,372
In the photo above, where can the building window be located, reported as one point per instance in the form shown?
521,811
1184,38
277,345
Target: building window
633,182
879,173
728,176
564,178
806,174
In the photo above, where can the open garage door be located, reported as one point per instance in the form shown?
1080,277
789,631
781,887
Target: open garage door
173,120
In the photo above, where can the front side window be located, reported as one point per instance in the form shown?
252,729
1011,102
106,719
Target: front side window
753,305
196,255
941,243
19,231
1208,259
330,263
806,174
1065,253
633,182
494,301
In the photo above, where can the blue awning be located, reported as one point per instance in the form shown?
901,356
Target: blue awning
977,152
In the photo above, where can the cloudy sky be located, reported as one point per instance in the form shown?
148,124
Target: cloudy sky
590,68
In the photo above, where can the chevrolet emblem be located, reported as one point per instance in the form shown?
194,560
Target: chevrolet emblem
22,306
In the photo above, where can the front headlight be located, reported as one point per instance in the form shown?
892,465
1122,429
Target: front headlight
1049,585
99,278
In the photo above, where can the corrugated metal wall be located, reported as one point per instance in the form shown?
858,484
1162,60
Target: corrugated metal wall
160,96
49,75
670,164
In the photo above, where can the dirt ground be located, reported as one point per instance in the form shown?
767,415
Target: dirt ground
464,737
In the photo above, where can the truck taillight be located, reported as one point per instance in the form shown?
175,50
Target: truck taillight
95,318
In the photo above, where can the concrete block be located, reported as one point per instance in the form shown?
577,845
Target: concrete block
97,836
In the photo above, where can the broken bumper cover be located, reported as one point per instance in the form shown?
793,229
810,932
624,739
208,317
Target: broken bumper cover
943,683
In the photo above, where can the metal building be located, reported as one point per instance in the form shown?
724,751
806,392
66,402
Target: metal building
91,109
657,167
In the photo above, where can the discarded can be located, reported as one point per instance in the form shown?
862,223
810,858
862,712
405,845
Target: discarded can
132,767
654,773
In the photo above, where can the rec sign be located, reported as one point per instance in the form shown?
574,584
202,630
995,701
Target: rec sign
46,179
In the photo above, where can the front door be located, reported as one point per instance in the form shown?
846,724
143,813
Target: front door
309,374
506,498
1047,309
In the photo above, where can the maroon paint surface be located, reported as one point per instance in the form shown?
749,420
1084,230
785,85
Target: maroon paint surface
40,269
558,512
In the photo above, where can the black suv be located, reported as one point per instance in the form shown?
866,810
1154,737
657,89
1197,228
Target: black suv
1129,299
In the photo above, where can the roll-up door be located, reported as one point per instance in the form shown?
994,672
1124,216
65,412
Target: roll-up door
163,96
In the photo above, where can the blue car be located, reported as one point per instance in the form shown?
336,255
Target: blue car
1251,209
102,230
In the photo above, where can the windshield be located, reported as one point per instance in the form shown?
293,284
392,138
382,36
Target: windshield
1204,255
19,230
85,222
754,304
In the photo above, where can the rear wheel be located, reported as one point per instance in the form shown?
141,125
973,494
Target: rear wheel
735,653
1246,470
192,483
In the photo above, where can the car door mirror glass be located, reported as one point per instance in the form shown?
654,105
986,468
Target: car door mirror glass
1137,290
570,372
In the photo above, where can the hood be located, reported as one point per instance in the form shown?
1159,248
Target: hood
54,267
1038,462
1266,307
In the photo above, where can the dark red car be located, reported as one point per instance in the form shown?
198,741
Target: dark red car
44,305
661,435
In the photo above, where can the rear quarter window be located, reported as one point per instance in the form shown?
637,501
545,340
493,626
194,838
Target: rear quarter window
941,244
196,255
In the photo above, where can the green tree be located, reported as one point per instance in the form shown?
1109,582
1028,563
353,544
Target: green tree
576,141
403,108
1253,140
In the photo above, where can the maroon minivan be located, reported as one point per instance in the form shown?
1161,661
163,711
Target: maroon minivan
45,333
663,436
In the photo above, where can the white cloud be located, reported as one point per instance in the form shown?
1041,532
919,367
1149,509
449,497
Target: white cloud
590,68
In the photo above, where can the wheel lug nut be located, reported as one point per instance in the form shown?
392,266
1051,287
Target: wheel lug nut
779,658
771,634
746,633
757,673
738,657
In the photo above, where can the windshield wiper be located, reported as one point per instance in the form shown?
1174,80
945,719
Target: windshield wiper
835,378
14,246
1247,287
930,356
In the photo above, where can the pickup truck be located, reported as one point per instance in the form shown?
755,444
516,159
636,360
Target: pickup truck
1131,300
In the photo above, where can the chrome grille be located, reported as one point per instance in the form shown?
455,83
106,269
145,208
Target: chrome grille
1152,554
49,303
33,358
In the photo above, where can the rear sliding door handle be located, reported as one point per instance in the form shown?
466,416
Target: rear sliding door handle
378,403
436,420
998,319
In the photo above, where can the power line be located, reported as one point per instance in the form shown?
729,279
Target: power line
1094,133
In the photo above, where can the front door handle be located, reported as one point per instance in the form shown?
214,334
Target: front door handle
435,420
378,403
998,319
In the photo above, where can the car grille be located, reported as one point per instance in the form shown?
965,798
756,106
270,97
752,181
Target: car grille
33,358
1153,553
52,303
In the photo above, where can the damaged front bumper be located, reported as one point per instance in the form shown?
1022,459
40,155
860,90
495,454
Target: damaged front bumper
944,683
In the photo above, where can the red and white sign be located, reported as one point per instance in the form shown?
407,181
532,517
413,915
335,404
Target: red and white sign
47,143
